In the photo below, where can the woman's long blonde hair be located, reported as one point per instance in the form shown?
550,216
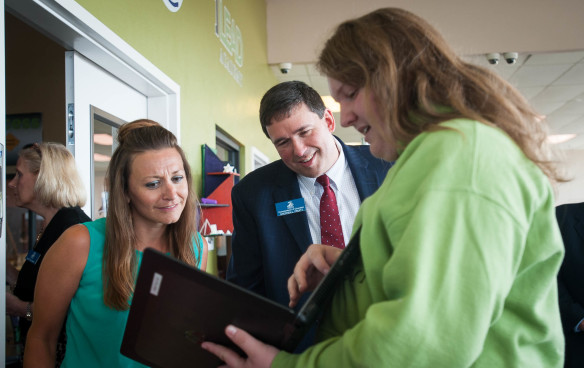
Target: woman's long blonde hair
418,81
120,260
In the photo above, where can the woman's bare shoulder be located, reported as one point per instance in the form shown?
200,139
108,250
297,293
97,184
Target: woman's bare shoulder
73,243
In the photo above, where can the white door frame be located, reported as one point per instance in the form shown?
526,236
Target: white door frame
74,28
3,188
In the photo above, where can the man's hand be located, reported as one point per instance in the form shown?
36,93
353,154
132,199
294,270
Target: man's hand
310,269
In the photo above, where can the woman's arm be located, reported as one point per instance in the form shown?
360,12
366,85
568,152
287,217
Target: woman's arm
11,274
54,290
205,252
15,306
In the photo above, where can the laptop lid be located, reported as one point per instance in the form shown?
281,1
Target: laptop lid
176,307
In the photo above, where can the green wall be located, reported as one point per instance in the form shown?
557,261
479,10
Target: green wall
184,46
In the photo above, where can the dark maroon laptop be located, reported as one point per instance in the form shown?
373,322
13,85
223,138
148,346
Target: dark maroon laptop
176,307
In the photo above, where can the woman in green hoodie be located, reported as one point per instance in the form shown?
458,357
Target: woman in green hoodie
460,246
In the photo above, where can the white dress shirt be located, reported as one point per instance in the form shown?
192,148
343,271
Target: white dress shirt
343,185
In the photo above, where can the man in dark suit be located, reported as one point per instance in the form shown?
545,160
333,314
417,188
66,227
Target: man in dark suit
276,207
571,281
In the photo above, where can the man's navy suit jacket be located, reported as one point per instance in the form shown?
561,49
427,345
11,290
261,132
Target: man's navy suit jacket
571,280
266,247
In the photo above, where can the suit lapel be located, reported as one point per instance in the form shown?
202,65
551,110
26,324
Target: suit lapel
367,180
297,223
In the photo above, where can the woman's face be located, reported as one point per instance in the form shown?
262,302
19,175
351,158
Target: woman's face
359,110
23,184
157,187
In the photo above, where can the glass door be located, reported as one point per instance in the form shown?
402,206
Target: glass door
105,130
97,103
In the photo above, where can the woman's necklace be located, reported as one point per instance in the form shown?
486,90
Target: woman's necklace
39,235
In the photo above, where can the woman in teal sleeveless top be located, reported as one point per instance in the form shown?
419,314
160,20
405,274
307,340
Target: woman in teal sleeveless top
151,205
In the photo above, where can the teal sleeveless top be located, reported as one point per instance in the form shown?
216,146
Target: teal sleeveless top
95,331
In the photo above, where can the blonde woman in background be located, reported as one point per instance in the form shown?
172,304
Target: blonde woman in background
47,183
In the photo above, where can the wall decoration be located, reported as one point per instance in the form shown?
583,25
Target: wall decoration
173,6
217,184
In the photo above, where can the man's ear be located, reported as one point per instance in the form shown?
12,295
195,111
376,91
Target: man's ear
330,120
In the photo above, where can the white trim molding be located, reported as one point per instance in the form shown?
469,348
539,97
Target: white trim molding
73,27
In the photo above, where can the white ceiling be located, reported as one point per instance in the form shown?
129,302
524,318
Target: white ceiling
298,29
552,82
549,72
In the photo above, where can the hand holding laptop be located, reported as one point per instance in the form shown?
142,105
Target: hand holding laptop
258,354
310,269
308,273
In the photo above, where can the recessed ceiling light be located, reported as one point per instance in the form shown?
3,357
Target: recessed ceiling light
103,139
98,157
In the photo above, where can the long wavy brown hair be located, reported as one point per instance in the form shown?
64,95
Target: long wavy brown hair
418,81
120,260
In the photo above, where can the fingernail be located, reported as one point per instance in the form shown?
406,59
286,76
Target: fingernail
231,330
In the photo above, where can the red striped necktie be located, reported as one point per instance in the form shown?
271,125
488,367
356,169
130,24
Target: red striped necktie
331,230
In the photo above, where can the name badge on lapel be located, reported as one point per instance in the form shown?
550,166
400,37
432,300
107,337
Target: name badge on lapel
289,207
